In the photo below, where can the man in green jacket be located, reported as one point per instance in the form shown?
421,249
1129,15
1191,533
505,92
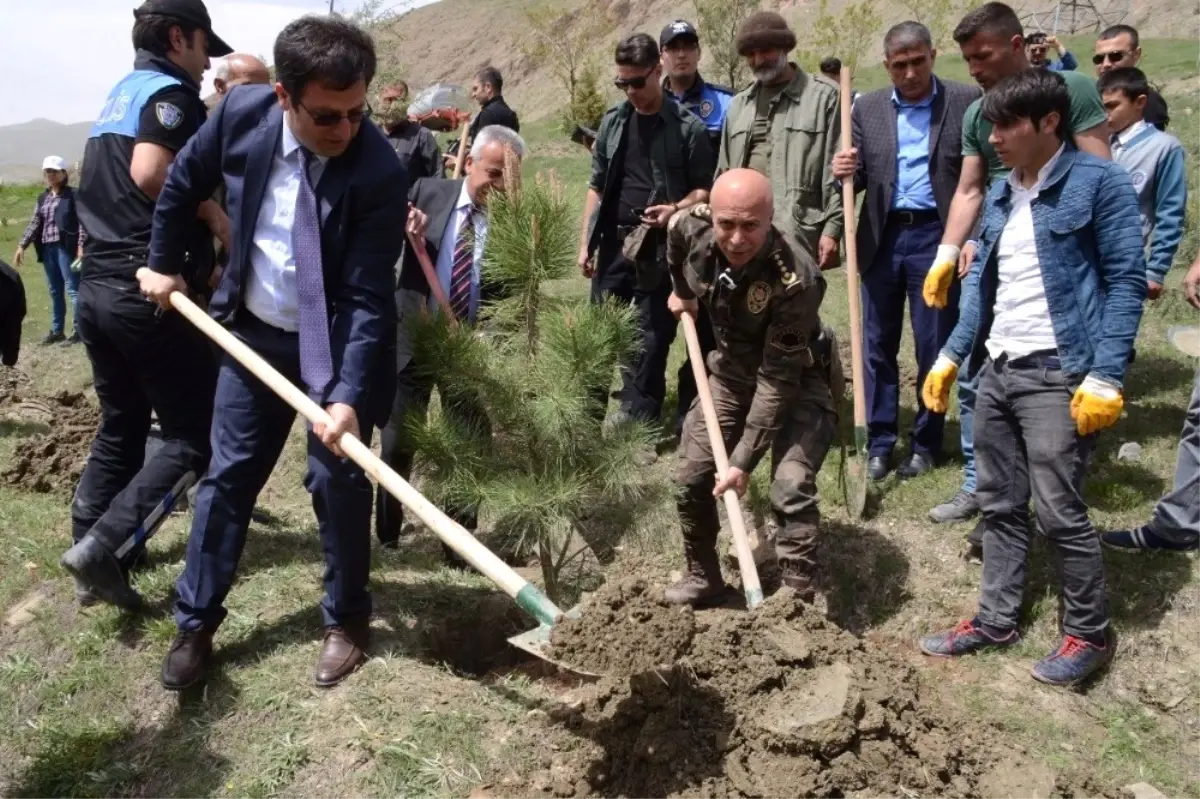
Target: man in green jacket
787,125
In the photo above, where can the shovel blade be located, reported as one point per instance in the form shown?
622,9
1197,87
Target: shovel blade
857,486
537,643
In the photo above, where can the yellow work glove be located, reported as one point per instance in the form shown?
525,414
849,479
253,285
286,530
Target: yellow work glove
1097,404
941,276
936,391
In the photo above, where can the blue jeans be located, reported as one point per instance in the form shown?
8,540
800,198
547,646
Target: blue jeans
967,389
57,263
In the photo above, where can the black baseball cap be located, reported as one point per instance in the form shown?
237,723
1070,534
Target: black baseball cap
193,12
678,29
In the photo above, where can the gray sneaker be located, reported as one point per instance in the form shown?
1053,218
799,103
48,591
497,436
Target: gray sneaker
960,508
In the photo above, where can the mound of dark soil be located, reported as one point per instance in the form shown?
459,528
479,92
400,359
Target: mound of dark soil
51,462
777,702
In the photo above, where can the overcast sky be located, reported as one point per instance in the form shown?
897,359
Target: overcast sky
60,58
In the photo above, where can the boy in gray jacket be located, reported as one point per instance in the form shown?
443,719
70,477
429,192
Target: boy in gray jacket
1154,160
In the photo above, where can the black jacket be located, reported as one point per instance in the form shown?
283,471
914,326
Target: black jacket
12,313
494,112
66,217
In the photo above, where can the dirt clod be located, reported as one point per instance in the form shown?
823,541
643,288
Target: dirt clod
50,462
778,702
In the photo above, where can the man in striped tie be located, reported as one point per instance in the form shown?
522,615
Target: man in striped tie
448,221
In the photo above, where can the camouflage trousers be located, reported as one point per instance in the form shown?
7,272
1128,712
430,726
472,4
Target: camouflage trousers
797,453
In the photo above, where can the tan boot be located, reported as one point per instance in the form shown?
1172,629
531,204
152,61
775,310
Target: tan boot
703,584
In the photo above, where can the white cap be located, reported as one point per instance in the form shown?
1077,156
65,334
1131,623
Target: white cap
54,162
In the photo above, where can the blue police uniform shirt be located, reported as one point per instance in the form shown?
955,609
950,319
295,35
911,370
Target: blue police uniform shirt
123,108
706,101
914,191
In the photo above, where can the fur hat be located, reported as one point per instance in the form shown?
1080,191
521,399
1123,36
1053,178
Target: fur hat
765,30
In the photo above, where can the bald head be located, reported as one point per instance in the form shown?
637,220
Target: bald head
238,69
742,208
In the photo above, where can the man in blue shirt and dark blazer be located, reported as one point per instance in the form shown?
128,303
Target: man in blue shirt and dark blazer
317,203
906,156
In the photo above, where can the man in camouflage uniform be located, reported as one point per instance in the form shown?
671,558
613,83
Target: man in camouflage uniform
770,376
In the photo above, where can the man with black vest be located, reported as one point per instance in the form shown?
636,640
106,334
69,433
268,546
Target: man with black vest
142,360
652,157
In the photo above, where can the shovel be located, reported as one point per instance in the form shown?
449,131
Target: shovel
733,508
462,150
528,597
857,478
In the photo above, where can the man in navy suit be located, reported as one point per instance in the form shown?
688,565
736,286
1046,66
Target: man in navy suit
317,203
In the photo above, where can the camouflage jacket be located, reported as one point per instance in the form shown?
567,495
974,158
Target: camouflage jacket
765,325
806,127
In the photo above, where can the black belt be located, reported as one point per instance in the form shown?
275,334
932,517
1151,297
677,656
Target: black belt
1046,359
911,218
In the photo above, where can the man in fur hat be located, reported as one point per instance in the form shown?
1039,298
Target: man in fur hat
786,125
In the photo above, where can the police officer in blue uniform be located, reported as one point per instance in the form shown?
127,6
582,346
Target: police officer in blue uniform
680,46
143,361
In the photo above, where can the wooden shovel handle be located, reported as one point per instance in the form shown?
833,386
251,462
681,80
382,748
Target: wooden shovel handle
733,508
856,342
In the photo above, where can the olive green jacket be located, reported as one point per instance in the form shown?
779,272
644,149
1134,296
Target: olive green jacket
681,160
806,128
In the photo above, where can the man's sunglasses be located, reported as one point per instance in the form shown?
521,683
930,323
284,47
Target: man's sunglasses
327,119
632,83
1115,57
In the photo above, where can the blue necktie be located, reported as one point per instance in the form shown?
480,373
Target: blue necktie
316,365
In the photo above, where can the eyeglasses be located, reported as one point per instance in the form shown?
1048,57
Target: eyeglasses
327,119
1115,57
632,83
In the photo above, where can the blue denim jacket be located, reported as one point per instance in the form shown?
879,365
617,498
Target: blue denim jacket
1089,245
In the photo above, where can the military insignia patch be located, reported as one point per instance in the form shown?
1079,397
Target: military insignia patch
701,211
758,297
786,276
706,108
168,114
789,339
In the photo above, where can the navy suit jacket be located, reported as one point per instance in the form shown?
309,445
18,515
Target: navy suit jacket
365,190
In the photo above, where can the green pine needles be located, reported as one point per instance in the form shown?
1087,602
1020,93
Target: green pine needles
544,466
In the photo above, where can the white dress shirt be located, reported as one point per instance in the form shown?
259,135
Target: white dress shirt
1022,323
1122,139
271,292
445,261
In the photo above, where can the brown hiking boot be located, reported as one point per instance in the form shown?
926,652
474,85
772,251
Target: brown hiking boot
703,584
798,581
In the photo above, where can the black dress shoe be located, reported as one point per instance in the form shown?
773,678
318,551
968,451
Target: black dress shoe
186,662
877,468
916,465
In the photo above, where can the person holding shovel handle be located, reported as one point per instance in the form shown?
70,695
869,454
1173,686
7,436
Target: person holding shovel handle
770,376
309,287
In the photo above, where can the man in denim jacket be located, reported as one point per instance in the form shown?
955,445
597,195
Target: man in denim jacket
1049,314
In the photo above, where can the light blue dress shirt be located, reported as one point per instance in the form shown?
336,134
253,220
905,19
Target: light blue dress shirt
271,292
445,261
913,190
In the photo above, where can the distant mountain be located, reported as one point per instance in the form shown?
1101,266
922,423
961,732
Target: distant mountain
23,146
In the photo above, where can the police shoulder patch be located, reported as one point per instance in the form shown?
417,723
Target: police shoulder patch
757,297
168,114
706,108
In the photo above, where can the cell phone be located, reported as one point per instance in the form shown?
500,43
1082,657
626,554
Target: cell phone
639,212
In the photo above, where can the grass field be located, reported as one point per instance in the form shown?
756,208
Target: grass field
441,710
